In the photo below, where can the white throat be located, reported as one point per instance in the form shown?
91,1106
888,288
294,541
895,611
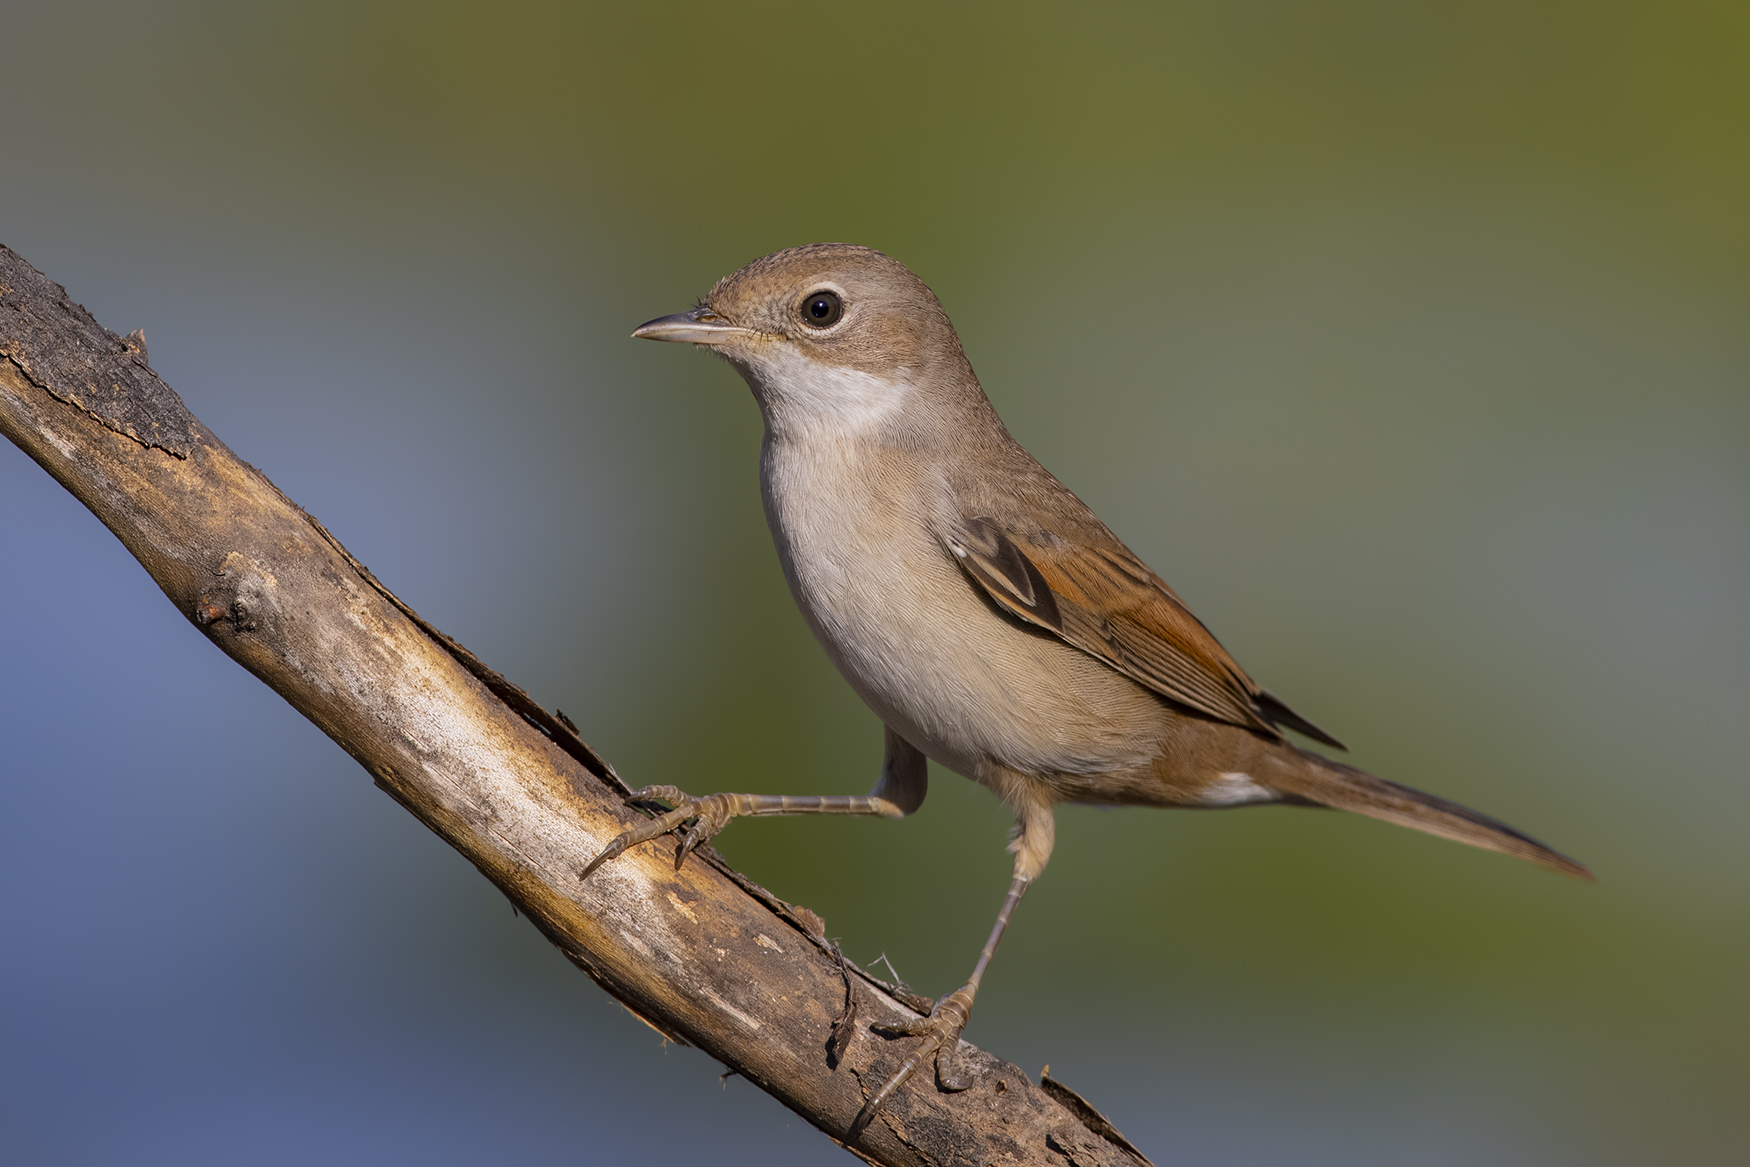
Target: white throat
801,396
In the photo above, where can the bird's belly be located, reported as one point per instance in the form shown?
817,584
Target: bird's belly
934,660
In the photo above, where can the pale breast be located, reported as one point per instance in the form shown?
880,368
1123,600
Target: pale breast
853,524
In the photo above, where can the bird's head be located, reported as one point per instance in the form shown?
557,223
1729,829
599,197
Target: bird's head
829,334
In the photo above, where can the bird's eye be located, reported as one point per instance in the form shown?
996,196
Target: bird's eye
822,310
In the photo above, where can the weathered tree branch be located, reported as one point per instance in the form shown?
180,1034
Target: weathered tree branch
703,955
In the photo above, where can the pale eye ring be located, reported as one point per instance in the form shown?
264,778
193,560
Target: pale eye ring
822,309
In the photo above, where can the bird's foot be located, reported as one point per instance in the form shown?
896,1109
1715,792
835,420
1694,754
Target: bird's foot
708,814
941,1034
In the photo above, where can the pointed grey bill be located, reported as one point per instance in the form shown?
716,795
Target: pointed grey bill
700,326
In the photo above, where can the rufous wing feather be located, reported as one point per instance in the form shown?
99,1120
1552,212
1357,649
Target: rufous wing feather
1103,600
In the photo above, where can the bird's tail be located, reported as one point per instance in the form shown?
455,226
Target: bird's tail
1305,775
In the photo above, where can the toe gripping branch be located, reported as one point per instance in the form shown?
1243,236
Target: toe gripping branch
941,1029
710,813
941,1034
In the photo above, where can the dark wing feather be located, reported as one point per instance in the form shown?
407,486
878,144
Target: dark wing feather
998,564
1277,712
1106,602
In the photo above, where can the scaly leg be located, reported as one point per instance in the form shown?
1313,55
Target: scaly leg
1035,832
712,812
941,1029
904,779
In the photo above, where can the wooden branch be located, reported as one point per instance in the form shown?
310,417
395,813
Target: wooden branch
703,955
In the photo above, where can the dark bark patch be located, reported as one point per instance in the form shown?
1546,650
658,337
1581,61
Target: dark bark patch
63,350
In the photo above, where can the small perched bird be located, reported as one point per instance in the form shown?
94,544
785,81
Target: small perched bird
987,616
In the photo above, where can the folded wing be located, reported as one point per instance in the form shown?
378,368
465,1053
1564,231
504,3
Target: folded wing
1100,598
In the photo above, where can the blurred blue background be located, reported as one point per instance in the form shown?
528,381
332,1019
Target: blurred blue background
1407,341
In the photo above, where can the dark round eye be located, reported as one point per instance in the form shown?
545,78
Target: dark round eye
822,310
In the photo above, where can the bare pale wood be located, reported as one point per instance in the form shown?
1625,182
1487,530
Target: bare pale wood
703,955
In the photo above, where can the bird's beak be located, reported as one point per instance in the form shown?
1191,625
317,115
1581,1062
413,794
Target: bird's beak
700,326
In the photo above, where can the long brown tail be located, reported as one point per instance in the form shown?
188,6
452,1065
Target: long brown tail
1317,779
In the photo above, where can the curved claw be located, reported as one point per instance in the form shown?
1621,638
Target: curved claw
685,807
906,1070
713,812
946,1078
713,816
941,1034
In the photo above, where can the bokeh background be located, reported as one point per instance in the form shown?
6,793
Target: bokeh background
1408,341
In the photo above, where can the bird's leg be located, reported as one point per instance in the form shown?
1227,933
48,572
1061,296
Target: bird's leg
710,813
1035,832
904,779
941,1029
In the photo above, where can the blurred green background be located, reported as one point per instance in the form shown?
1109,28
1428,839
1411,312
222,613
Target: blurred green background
1408,341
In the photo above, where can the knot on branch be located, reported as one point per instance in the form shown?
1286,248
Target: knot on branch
245,599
